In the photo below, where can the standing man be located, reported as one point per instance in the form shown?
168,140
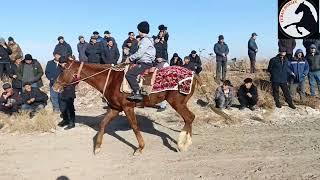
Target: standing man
107,35
111,53
67,97
5,52
53,70
82,46
16,50
308,42
63,48
98,37
196,61
94,51
129,46
313,58
288,45
13,71
252,52
222,50
30,71
279,70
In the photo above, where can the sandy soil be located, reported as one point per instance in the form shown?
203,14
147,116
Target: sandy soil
287,146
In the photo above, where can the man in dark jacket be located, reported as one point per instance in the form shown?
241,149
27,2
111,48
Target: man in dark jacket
164,31
161,47
288,45
248,95
195,59
188,64
53,70
176,60
313,58
300,68
5,53
107,35
62,48
10,100
221,50
129,46
308,42
33,99
82,46
30,71
66,102
94,51
98,37
252,52
13,71
111,53
279,70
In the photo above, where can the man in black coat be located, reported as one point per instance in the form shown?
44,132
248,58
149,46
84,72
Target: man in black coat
252,52
188,64
10,100
221,50
107,35
13,74
196,61
308,42
94,51
111,53
5,51
67,109
129,46
248,95
280,72
161,47
62,48
176,60
288,45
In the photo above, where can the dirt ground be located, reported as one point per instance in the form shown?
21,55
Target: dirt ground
286,147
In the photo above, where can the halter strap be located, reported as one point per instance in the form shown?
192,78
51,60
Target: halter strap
106,83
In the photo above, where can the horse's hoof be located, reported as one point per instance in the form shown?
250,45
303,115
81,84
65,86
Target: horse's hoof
97,151
184,141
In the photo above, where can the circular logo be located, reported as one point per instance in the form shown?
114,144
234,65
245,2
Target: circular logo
298,18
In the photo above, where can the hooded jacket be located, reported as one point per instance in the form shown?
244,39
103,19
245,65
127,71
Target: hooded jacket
299,67
178,63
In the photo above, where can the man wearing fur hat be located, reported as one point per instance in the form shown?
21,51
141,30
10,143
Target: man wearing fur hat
16,50
10,100
222,50
5,52
144,59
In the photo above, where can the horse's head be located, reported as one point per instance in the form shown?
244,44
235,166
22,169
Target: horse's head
302,8
67,75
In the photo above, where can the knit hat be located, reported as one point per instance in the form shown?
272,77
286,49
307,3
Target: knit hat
193,52
28,57
221,37
175,55
2,40
162,27
10,39
248,80
312,46
6,86
80,37
60,37
143,27
107,32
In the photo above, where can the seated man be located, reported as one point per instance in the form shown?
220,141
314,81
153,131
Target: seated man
33,99
248,95
10,100
224,95
144,59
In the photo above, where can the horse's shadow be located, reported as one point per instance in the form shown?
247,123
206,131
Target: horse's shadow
121,123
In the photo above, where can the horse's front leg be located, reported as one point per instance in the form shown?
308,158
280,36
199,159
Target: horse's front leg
297,27
293,24
112,113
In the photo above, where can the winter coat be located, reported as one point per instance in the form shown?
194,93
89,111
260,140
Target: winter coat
112,39
314,62
196,60
16,83
63,49
220,93
53,70
161,50
37,69
252,46
189,66
243,91
111,55
81,47
178,63
4,54
133,49
69,92
308,42
279,69
16,52
146,52
94,52
40,97
288,44
15,99
300,68
219,49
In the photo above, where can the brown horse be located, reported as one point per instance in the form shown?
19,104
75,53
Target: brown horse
108,82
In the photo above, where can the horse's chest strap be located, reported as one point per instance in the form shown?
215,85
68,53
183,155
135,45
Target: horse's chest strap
106,83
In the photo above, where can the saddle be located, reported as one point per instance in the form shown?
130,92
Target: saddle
146,80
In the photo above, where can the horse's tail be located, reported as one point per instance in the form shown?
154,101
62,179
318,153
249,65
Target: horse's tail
204,92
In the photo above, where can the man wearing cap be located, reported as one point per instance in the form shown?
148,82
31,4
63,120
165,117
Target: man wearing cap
107,35
144,59
81,47
33,99
279,70
52,72
164,30
111,53
221,50
5,52
288,45
308,42
30,71
62,48
248,95
313,58
98,37
94,51
129,46
16,50
10,100
196,61
252,52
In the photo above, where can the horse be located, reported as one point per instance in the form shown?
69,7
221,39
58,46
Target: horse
307,21
108,82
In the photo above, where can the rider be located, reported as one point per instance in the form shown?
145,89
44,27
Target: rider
144,59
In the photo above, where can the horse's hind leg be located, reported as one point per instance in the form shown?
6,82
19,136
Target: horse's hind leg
110,115
184,140
129,111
